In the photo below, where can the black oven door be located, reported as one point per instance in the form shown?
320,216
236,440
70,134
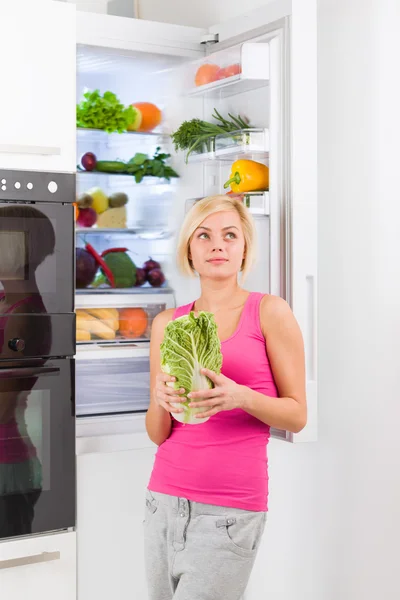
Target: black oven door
37,448
36,280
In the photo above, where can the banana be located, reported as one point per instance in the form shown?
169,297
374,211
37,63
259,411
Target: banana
82,336
89,323
109,316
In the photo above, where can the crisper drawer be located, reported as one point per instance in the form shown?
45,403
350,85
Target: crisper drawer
117,318
112,380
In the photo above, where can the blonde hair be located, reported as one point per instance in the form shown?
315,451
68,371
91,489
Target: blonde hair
200,211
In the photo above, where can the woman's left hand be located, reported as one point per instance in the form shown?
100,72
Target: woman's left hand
226,395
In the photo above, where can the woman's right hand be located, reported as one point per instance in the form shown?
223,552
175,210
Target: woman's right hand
166,395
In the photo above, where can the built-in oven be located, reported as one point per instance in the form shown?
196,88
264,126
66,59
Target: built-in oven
37,348
37,447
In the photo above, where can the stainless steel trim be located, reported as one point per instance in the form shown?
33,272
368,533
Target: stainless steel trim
29,560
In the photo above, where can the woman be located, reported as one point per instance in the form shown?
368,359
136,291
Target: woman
206,501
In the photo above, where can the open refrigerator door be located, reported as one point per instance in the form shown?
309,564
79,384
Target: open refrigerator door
241,85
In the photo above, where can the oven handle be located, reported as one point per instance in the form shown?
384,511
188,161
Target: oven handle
27,372
25,149
29,560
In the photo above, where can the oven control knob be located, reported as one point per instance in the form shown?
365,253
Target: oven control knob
16,344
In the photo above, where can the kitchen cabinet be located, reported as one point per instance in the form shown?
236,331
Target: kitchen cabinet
37,104
41,568
113,470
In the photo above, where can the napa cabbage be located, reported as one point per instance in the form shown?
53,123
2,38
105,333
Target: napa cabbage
190,344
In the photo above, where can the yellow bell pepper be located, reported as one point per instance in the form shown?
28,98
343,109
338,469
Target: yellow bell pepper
248,176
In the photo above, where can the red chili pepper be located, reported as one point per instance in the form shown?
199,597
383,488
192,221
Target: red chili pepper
114,250
103,264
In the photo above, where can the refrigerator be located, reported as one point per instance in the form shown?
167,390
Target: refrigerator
260,68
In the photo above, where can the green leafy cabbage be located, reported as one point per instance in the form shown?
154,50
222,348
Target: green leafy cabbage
104,112
190,344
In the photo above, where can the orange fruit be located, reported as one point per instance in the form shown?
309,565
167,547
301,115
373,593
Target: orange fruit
206,74
132,322
151,115
76,211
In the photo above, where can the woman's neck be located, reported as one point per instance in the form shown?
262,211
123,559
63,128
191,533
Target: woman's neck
217,295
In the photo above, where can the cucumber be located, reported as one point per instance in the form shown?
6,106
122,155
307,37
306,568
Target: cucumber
110,166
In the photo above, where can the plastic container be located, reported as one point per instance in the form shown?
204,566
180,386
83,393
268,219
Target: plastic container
105,324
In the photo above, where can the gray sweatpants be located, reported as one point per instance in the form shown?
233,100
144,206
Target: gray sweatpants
197,551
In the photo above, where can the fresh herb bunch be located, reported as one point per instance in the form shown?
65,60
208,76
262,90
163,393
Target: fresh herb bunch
142,166
192,134
104,112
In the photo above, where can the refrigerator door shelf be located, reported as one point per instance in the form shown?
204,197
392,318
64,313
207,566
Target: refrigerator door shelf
243,143
257,203
229,72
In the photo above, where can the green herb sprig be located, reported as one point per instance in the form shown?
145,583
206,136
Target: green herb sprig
192,134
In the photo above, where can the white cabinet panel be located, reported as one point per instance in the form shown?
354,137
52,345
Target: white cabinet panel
111,493
38,72
45,565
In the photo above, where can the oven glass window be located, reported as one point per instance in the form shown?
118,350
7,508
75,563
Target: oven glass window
24,457
36,266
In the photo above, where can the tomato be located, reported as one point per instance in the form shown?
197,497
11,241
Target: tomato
206,74
231,71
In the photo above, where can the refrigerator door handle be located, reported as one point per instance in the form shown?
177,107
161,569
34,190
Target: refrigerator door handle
24,372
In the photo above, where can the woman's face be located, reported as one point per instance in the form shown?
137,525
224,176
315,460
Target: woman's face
217,246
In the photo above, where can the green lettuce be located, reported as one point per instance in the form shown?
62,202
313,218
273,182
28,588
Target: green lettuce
190,344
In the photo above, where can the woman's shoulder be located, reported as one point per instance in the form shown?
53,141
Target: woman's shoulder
274,311
163,318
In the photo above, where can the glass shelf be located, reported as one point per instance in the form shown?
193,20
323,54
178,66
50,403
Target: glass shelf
143,234
143,290
126,178
101,134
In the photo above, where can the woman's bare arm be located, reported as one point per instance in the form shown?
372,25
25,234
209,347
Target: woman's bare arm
285,350
158,420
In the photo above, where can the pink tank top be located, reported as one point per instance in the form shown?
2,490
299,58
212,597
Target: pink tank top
224,460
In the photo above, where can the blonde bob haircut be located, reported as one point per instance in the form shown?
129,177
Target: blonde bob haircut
200,211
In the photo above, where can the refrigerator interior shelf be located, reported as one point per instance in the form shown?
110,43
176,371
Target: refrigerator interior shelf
138,233
101,135
86,296
154,181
